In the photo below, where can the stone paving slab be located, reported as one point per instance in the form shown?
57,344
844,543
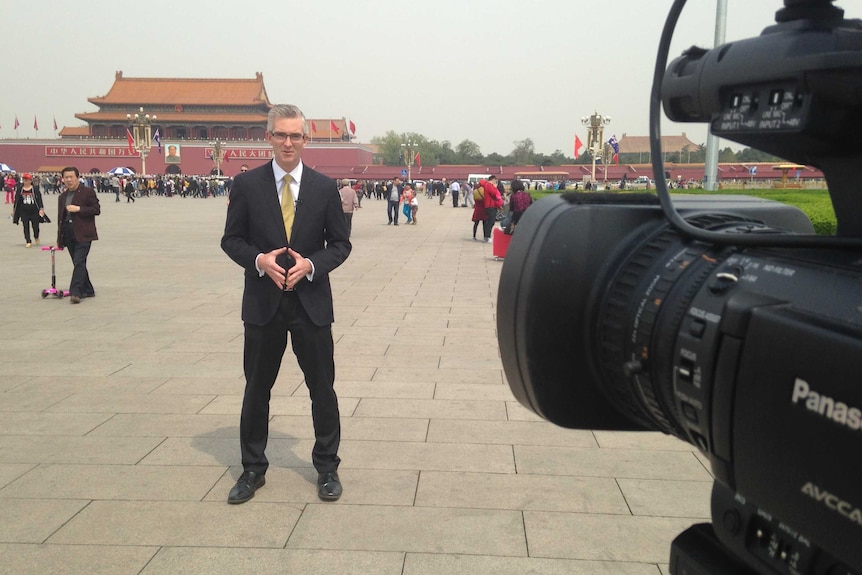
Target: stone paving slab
430,530
119,426
89,450
667,498
74,559
473,391
114,482
71,384
168,425
9,472
26,423
437,563
132,403
180,524
34,520
225,561
441,408
507,433
521,491
632,463
599,537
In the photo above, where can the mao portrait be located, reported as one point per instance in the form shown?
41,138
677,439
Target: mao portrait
173,156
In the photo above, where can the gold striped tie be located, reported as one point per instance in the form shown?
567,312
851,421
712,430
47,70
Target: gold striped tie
287,208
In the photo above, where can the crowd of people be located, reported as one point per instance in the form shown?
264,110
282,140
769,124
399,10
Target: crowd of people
128,186
488,198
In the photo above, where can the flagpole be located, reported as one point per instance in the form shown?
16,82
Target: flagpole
710,175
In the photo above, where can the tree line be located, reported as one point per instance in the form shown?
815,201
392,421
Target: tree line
392,150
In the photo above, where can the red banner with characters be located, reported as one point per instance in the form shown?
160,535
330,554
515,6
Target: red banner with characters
90,151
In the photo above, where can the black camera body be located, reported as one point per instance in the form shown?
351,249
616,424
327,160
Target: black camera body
749,345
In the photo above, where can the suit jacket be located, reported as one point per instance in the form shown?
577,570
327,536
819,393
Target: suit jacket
83,222
254,226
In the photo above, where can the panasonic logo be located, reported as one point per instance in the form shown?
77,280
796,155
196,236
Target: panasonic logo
833,502
828,407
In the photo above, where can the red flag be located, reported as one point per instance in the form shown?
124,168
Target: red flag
131,141
333,127
418,160
55,123
35,124
352,127
16,122
313,127
616,158
579,147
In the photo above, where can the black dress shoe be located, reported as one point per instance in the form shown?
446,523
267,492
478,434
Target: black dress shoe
329,486
245,487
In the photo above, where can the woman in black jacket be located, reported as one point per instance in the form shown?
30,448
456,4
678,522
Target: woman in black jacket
28,208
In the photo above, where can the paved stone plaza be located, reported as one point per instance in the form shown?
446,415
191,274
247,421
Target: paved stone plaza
119,420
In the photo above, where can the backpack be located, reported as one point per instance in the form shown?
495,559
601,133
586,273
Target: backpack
478,193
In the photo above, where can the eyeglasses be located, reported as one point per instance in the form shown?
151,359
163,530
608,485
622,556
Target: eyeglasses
280,137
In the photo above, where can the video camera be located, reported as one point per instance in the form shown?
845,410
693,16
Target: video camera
721,320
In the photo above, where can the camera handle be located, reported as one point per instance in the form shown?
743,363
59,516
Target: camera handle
695,94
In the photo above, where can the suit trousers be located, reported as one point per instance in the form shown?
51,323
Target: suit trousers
80,284
314,350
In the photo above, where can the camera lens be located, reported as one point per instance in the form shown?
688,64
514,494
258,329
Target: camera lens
641,313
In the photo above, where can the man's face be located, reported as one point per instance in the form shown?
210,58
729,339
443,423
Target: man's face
172,151
70,180
286,151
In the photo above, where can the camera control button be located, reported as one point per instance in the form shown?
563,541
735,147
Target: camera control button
723,281
696,328
732,521
690,412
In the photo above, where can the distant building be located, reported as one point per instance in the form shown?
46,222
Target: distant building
640,145
192,109
190,114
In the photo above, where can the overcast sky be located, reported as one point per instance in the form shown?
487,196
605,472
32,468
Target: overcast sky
492,71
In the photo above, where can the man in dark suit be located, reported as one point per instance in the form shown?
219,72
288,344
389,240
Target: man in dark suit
77,209
285,227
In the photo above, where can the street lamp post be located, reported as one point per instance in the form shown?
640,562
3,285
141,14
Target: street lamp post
408,152
142,134
218,152
595,137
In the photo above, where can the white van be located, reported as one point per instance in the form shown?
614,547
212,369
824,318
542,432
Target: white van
474,178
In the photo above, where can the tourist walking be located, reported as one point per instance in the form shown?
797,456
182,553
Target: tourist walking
455,189
28,208
349,202
77,208
393,200
493,201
